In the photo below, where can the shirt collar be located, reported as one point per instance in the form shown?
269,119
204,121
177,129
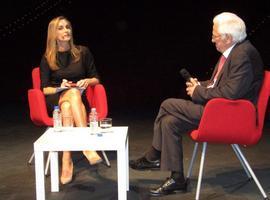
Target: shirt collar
228,51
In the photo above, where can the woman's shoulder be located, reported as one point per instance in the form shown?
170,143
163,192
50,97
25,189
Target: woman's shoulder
84,50
44,63
44,59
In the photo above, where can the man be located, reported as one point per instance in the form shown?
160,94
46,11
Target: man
238,75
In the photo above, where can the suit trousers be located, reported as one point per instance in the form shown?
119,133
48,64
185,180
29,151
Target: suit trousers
175,118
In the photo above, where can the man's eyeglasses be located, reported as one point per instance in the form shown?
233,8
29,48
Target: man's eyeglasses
214,37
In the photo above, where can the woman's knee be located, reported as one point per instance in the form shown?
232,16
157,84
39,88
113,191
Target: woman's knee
65,106
75,92
74,95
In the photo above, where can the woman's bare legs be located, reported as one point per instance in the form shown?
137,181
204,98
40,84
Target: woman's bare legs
77,108
67,164
71,104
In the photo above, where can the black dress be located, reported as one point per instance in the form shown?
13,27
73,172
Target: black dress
72,71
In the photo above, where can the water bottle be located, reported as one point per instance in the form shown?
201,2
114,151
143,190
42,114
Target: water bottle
57,119
93,120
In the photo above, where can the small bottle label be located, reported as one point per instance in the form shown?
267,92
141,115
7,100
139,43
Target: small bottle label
57,120
94,126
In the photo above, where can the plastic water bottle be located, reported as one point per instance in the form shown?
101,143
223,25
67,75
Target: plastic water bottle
57,119
93,120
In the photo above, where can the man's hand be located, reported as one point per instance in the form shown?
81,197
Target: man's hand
191,85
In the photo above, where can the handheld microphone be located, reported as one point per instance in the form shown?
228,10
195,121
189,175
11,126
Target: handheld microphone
185,74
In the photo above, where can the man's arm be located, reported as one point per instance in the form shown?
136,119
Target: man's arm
234,83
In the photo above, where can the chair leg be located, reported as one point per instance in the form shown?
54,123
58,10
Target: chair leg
201,171
192,160
106,159
250,170
31,158
47,164
49,158
241,161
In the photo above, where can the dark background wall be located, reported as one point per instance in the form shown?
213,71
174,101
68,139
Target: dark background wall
139,46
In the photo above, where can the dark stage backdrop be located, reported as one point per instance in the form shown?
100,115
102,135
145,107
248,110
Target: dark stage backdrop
139,46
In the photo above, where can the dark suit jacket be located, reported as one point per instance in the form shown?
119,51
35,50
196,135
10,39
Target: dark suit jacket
240,78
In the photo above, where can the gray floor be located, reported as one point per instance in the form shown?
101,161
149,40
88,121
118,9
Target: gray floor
223,176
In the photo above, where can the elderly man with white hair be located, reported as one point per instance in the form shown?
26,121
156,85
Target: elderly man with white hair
237,75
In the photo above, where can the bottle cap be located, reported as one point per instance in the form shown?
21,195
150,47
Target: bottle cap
93,109
56,107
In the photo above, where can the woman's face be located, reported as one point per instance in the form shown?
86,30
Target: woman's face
63,31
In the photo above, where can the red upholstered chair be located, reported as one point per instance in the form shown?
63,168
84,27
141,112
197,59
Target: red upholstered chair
96,97
37,103
234,122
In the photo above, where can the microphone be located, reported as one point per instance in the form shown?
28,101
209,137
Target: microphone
185,74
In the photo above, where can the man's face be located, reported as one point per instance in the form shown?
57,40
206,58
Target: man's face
63,32
222,42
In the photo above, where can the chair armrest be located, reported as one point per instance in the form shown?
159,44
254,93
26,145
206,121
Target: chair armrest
38,109
227,121
97,98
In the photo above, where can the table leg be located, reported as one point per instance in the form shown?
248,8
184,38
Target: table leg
127,166
39,170
54,172
121,174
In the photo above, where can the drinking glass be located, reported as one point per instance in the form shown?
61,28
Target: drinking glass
67,121
105,124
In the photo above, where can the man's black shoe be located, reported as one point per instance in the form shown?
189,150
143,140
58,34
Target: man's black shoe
170,186
143,164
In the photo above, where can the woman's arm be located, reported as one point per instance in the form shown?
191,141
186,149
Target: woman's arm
87,82
52,90
49,90
45,77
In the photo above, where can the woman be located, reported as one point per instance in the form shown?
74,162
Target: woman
66,65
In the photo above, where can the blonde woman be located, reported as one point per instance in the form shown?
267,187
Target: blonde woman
65,65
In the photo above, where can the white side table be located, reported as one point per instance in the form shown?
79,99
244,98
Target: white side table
80,139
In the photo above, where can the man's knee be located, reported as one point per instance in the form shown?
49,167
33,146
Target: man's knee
171,103
167,103
170,121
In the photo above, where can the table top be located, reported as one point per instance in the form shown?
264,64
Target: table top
81,138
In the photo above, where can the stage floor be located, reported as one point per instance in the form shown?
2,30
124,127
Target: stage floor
224,178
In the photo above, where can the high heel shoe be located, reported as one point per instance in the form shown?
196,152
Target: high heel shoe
66,176
92,157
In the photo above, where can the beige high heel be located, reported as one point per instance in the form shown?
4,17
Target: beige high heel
92,157
66,176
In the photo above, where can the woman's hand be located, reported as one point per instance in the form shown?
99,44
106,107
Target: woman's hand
65,83
83,83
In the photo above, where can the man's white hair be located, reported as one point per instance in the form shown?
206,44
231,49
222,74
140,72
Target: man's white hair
230,23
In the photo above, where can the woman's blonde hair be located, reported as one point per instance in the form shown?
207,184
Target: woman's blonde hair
51,48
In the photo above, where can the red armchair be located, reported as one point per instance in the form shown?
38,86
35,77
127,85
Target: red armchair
96,97
234,122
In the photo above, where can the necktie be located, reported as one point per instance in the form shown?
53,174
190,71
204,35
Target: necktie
220,65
